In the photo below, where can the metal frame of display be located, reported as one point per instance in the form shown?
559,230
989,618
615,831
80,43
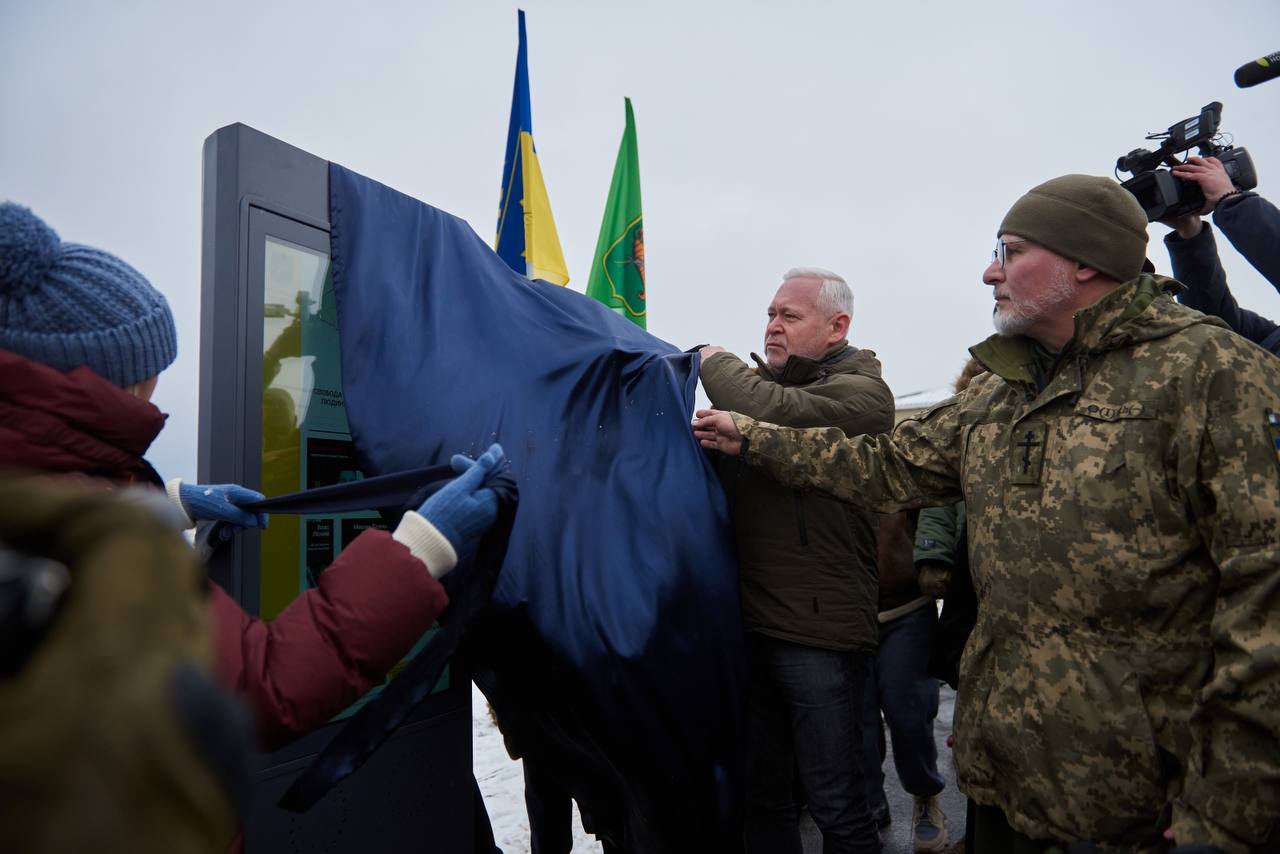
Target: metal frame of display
417,789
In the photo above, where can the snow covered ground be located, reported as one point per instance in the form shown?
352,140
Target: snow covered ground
502,784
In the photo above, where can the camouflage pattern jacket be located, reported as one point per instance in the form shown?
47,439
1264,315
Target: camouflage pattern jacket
1124,534
807,562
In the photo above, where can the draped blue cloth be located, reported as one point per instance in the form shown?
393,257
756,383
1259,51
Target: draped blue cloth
612,649
469,585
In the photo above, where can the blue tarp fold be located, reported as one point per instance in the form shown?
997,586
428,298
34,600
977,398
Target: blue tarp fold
612,652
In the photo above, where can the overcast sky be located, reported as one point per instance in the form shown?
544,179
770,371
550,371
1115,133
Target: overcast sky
882,140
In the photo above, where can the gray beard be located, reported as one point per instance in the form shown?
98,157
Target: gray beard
1018,319
1011,322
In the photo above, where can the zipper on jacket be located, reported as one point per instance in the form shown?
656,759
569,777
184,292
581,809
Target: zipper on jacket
798,501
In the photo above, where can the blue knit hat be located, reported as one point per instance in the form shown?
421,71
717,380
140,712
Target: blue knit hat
67,305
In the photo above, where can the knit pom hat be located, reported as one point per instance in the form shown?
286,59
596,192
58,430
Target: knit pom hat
1091,220
67,305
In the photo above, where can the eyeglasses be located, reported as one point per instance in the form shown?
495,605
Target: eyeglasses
1001,250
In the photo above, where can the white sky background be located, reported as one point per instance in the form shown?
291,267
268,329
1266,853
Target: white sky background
882,140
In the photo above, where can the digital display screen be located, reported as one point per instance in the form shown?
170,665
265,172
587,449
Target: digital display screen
306,441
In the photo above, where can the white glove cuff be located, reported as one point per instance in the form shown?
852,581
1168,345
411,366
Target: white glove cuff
426,543
171,489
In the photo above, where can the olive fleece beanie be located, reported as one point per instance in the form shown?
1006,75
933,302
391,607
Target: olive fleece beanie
1088,219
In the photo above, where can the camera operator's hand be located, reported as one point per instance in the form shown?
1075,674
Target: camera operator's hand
1211,176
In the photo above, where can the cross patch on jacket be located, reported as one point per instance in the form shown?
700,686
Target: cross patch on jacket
1026,452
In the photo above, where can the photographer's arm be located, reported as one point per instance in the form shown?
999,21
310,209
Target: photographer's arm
1196,264
1250,222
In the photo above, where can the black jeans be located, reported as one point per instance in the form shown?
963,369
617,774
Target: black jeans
804,710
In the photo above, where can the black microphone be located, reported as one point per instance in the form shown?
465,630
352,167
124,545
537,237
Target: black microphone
1258,71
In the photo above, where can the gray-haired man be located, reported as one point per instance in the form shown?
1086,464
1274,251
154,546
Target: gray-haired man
808,571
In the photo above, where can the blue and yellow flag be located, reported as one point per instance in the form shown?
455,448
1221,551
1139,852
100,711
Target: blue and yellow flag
527,238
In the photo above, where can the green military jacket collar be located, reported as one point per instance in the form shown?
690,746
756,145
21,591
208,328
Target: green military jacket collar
1136,312
1122,318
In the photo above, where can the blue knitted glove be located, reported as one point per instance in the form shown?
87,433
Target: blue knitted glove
464,509
221,503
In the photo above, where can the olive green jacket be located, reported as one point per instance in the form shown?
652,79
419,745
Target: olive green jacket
807,561
1124,533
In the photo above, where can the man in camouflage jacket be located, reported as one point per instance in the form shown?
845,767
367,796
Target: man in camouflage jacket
808,571
1120,468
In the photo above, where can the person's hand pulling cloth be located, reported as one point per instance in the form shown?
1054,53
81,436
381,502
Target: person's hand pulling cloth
222,502
452,520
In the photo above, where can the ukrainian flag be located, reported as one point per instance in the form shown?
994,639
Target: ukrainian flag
527,238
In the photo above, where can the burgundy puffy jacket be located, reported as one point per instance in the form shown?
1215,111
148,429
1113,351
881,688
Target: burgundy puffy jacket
324,650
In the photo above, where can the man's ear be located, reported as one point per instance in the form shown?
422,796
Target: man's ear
1085,273
840,326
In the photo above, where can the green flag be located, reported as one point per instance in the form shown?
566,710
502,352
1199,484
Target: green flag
617,268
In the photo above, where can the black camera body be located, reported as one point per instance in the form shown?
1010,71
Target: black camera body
1162,195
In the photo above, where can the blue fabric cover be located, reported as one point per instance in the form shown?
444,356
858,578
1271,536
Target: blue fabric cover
612,653
469,585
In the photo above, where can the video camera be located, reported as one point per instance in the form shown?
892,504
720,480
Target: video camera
1162,195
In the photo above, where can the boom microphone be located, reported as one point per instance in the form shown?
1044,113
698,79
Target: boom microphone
1258,71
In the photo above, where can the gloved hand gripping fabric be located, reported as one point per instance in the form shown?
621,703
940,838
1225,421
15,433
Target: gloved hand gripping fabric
452,520
216,503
